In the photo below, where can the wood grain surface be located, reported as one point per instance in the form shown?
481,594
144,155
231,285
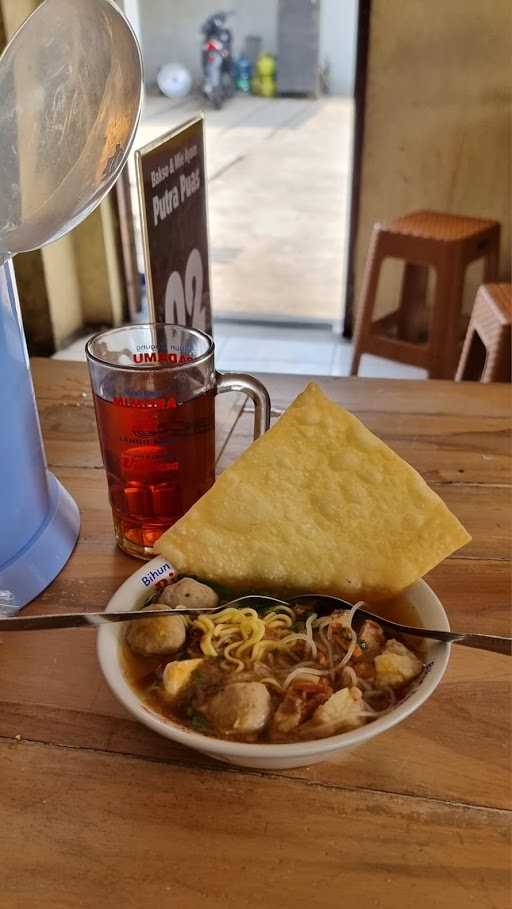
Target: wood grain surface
98,830
96,810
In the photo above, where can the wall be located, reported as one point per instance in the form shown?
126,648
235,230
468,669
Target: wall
437,121
131,11
338,27
170,32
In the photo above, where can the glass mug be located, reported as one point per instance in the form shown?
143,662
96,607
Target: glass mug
154,390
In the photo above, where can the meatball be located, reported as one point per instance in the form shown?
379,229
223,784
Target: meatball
242,707
188,592
150,637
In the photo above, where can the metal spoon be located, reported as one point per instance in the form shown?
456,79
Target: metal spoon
494,642
323,603
71,90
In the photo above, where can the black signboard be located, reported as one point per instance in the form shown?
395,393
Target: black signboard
171,177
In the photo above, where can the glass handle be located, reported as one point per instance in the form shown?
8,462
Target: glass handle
255,390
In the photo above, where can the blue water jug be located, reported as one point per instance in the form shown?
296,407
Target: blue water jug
59,156
39,521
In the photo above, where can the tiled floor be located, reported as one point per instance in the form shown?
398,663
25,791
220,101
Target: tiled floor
308,351
242,346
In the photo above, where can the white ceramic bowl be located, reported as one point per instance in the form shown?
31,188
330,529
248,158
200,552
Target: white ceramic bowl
137,588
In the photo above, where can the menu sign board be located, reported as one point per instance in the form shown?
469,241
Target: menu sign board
171,180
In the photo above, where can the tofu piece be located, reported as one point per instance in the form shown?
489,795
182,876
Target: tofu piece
341,711
287,716
177,675
373,636
396,666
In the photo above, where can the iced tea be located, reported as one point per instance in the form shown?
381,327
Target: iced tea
159,457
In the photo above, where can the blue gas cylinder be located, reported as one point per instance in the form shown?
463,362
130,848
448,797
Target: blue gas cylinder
243,74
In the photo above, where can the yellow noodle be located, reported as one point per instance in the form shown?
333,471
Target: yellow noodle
207,627
262,647
257,633
230,616
273,619
238,664
226,635
243,639
276,627
274,616
207,646
286,610
205,623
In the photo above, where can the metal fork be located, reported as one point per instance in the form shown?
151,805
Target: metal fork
324,604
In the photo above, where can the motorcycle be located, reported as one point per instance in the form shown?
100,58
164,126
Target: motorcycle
217,59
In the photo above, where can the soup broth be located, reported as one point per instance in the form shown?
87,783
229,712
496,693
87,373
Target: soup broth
279,674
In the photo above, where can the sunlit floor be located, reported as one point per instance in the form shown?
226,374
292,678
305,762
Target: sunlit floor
278,195
278,204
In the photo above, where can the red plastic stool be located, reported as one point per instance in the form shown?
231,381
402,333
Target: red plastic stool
423,239
487,352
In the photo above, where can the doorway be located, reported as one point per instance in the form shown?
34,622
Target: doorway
279,173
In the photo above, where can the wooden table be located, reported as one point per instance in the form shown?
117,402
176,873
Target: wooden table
97,811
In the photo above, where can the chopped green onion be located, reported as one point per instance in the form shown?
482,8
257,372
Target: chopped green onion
197,720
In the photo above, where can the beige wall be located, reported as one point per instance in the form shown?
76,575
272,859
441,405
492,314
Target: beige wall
169,31
438,120
98,267
63,290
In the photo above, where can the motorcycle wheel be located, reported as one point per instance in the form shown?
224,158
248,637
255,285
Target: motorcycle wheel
216,98
228,86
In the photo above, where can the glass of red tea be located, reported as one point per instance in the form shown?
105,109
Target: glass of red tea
154,392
